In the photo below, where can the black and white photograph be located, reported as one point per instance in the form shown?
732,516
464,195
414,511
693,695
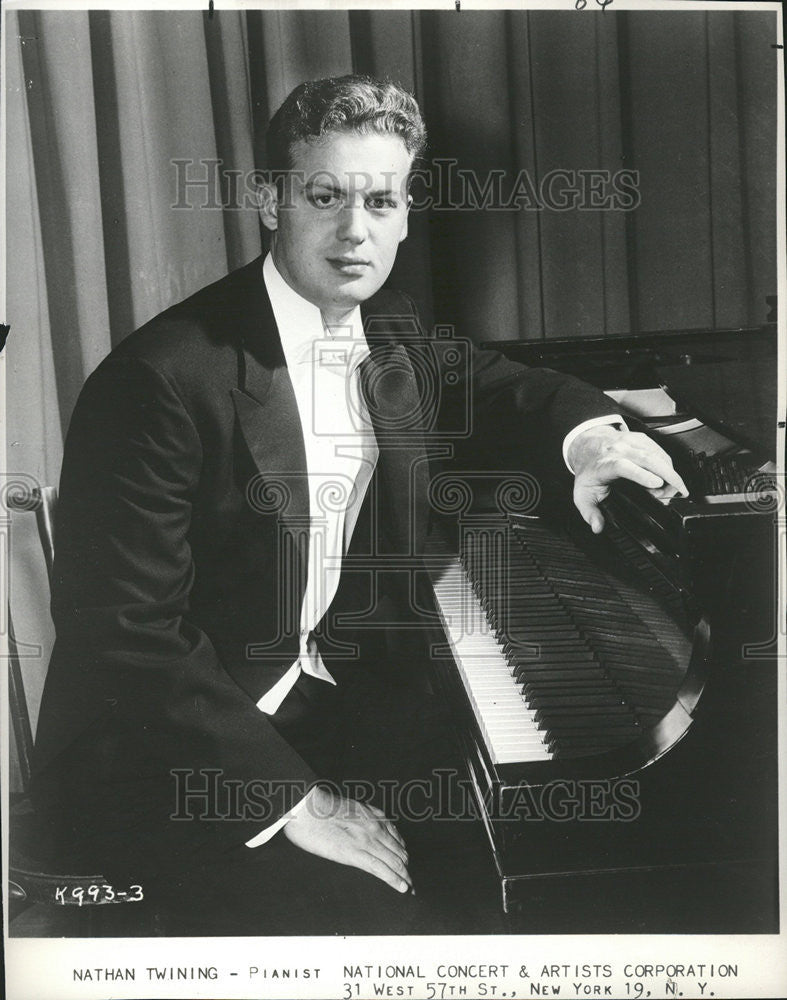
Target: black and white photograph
393,499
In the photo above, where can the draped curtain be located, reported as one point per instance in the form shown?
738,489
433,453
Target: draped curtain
106,111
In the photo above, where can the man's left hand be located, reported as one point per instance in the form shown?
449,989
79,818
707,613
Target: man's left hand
600,455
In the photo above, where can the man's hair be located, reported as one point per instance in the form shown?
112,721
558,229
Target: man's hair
350,103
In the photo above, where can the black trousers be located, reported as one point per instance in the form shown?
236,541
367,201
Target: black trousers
382,737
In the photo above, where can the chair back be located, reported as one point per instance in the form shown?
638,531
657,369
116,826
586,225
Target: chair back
45,521
42,500
27,882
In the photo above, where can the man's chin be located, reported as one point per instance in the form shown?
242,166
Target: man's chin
351,293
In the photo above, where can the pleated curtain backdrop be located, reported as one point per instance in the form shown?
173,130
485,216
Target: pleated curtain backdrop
102,106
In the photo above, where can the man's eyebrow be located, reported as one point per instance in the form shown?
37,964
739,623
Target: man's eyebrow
313,184
323,186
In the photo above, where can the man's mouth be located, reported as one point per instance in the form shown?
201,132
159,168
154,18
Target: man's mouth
349,265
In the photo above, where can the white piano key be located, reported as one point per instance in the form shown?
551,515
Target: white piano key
503,715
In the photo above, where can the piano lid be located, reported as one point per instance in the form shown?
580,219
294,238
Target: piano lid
737,397
726,378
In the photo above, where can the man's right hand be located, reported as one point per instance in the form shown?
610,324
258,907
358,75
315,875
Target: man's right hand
350,833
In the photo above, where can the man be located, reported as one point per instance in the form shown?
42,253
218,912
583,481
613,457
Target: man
198,555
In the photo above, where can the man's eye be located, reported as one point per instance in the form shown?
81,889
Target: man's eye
381,204
323,200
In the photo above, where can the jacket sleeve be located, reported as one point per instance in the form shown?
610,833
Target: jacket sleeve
172,746
556,402
487,392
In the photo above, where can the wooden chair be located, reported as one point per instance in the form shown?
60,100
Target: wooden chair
29,882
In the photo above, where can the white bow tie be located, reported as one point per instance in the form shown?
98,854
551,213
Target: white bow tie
342,356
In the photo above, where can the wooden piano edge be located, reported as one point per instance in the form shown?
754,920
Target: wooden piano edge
653,886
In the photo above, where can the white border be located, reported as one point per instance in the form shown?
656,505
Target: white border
41,968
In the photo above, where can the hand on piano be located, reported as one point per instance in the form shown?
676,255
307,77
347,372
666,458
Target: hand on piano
351,833
600,455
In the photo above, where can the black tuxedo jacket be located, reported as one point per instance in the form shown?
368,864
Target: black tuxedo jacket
180,532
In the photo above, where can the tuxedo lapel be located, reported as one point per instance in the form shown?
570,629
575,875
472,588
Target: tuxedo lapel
271,431
270,428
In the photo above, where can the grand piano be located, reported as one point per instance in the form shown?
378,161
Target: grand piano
617,694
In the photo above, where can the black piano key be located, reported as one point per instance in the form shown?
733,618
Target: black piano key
528,606
514,644
645,692
552,624
535,619
521,631
517,602
520,644
557,720
550,655
544,702
617,641
613,624
585,748
656,670
617,646
609,737
574,699
534,674
639,662
665,690
653,705
565,735
559,673
587,684
579,724
565,746
525,674
547,662
525,581
526,596
651,693
531,643
506,579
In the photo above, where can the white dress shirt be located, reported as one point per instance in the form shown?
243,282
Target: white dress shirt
341,454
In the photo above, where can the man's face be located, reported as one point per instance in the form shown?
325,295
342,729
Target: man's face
340,219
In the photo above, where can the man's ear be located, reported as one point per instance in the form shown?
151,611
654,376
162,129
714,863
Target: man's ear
269,206
403,235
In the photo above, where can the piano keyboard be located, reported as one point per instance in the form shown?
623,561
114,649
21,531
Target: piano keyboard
558,658
506,723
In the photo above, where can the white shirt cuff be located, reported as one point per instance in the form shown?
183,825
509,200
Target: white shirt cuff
270,831
610,418
269,703
309,662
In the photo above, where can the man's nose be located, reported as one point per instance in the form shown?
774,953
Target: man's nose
352,224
